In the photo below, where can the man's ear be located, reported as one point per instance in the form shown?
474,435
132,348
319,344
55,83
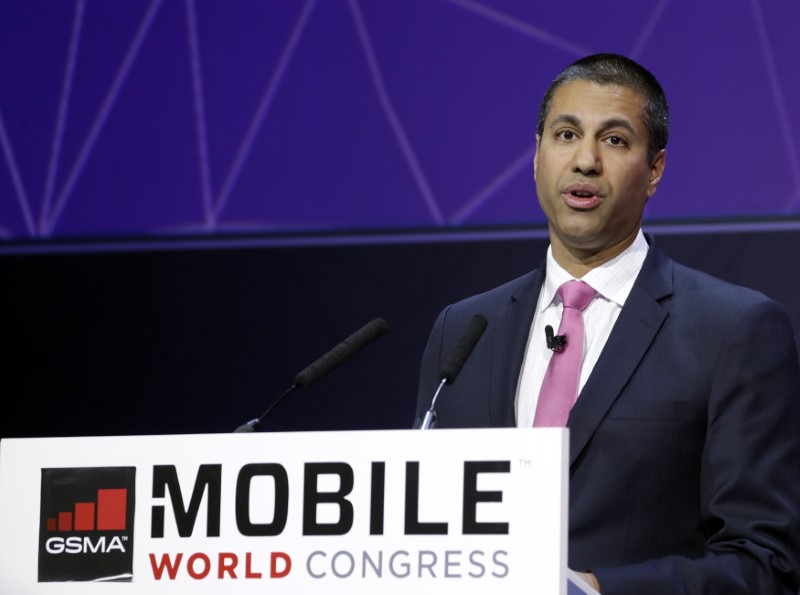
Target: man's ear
657,165
536,155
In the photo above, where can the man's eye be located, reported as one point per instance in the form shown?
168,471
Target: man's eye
565,135
617,141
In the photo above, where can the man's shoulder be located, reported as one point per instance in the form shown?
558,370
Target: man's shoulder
686,282
522,286
694,281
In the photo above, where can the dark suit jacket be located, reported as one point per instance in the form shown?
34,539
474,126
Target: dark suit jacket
684,442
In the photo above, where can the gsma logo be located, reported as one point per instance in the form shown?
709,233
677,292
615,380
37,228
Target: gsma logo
86,524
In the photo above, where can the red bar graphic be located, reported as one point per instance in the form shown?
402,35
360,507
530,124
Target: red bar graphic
111,509
84,516
65,521
51,524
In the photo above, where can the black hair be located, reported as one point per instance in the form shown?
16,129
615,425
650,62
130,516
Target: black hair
613,69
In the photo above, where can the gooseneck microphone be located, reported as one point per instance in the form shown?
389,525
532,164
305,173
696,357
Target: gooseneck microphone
554,342
344,350
454,363
313,373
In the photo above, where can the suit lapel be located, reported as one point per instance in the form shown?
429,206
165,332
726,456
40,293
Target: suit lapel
637,326
510,330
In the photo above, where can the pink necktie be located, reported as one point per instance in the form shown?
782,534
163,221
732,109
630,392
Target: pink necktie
560,386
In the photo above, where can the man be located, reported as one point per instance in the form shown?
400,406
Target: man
685,435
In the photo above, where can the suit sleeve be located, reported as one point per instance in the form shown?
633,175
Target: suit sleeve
750,473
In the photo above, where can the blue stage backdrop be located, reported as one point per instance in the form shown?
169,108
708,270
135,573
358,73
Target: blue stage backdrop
175,118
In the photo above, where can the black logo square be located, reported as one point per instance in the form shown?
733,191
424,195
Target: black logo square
86,524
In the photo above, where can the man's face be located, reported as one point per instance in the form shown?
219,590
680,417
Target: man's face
591,169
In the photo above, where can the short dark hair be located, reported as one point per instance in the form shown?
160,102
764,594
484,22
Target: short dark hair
613,69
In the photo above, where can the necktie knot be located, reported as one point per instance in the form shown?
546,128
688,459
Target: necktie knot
576,294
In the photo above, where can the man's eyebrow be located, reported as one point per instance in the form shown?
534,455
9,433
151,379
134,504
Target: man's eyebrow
618,123
606,125
565,119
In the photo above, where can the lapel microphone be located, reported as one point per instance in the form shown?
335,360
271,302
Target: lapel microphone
554,342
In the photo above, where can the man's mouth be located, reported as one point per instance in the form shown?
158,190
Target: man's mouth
582,196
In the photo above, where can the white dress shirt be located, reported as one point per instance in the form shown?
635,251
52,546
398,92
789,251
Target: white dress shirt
613,282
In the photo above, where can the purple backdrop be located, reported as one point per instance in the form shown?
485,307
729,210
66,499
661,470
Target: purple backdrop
153,118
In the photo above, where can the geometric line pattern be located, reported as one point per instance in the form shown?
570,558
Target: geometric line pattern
777,96
102,116
63,107
187,118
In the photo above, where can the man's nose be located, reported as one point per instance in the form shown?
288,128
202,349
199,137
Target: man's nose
587,158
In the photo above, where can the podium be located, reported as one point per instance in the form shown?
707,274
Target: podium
395,511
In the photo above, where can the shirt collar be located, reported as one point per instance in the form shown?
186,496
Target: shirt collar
612,280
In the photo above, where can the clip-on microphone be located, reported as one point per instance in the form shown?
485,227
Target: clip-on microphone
554,342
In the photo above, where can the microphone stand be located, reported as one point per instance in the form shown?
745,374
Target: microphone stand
429,421
253,424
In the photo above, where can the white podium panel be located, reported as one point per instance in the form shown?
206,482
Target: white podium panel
398,511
